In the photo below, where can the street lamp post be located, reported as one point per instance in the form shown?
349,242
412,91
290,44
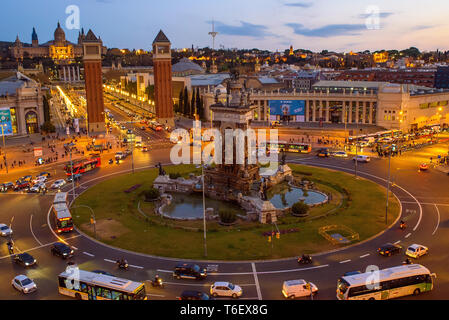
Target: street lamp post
4,148
71,169
388,187
204,209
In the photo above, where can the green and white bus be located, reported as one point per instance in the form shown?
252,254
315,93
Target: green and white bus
386,284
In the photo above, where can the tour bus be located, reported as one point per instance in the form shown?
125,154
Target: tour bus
83,166
85,285
391,283
289,147
62,217
60,197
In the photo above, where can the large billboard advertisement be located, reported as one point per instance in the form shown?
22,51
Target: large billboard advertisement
5,121
287,107
283,108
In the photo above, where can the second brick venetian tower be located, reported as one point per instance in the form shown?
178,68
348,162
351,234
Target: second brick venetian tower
163,95
93,83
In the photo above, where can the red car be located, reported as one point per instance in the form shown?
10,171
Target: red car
423,167
22,185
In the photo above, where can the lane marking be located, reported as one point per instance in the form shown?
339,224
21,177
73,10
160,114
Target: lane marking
397,242
438,224
107,260
259,272
88,254
256,280
155,295
364,256
31,228
428,203
346,261
138,267
408,235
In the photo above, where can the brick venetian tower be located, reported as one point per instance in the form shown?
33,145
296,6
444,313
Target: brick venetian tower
93,83
163,94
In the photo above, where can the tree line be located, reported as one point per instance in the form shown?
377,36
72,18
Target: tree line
190,107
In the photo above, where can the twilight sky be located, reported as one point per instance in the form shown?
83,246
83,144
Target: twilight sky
339,25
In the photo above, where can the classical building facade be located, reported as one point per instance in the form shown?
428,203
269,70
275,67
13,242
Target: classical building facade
22,98
392,106
59,49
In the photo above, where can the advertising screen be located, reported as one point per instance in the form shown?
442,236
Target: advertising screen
287,107
5,121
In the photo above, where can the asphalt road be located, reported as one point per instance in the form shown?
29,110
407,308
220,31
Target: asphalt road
425,207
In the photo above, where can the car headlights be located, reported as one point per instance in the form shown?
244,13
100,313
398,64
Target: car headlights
27,264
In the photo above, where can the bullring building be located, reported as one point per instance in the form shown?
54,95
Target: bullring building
387,105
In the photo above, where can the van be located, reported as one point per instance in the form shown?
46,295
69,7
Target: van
361,158
298,288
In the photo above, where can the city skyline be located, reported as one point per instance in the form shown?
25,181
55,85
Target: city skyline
314,25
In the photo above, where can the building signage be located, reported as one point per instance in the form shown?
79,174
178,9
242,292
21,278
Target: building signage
5,122
287,107
38,151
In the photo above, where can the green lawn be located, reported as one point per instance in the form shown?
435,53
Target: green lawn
363,212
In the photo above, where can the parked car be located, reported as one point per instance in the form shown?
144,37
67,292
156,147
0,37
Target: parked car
362,158
25,259
189,271
6,186
389,249
416,251
23,284
225,289
5,230
298,288
194,295
58,184
21,185
62,250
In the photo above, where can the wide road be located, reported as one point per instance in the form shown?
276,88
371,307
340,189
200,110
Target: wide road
425,207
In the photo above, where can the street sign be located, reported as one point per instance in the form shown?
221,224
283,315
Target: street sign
38,151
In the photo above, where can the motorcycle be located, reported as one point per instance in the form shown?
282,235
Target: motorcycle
408,261
305,259
402,226
122,264
157,283
111,161
10,248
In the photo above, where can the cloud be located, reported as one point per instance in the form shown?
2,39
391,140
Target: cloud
381,15
422,27
245,29
299,4
327,31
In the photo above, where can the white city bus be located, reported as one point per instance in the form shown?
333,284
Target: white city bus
391,283
85,285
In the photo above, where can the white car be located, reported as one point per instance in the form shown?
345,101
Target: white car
37,187
58,184
361,158
225,289
23,284
416,251
5,230
40,179
340,154
298,288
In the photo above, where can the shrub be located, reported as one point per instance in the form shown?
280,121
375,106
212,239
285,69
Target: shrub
151,194
48,127
300,209
227,216
175,175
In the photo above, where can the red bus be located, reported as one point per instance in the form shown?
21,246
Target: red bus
62,218
83,166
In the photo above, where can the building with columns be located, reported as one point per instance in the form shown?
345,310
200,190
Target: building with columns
392,106
22,98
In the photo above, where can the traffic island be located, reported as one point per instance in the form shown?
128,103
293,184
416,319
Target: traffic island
357,204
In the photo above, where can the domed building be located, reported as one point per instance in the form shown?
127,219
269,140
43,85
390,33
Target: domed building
59,49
